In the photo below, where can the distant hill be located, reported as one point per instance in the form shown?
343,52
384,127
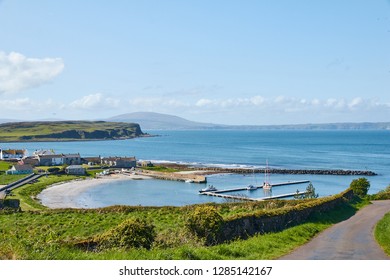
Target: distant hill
67,131
150,120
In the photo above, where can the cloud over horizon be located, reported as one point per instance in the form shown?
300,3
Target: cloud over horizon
18,72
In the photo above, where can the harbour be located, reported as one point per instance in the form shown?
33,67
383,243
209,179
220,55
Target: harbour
211,191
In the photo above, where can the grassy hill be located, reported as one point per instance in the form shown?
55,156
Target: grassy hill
67,131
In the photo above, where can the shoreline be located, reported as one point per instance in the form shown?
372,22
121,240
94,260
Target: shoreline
66,195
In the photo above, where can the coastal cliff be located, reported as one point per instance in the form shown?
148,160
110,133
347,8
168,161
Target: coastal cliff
68,131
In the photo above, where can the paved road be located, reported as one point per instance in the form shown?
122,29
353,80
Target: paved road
351,239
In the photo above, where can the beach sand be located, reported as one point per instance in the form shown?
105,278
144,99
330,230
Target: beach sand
66,195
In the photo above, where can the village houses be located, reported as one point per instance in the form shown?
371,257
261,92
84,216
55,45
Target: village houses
12,154
50,158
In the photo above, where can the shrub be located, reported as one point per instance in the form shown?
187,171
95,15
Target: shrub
205,223
132,233
360,186
383,194
53,170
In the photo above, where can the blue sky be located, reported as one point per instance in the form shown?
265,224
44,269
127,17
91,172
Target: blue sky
231,62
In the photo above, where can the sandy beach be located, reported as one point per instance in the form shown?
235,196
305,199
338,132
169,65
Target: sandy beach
66,195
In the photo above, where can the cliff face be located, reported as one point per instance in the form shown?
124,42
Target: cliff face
72,130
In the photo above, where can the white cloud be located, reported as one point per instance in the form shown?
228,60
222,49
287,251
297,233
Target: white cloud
18,72
355,103
95,101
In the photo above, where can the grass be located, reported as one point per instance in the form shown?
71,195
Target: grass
382,233
51,234
160,169
4,178
40,233
40,131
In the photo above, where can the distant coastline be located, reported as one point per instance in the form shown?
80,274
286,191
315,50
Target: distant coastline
158,121
61,131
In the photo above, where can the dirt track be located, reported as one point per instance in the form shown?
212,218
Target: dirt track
351,239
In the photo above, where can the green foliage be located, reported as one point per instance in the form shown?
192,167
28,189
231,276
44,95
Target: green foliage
160,169
360,186
67,130
382,195
53,170
382,233
311,191
4,165
52,234
132,233
205,223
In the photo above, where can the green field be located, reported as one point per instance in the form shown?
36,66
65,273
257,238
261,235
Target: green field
40,233
67,130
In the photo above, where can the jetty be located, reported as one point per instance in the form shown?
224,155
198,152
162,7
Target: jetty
174,176
238,197
260,187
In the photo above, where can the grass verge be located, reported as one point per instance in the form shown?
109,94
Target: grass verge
51,234
382,233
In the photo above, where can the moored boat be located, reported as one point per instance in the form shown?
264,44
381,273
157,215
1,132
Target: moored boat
209,188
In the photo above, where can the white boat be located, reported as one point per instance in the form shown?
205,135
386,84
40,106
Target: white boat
266,185
251,187
189,181
210,188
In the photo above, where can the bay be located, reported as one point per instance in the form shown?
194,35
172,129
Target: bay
291,149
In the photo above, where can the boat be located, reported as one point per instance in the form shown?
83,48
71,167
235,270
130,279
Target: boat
251,187
210,188
266,185
189,181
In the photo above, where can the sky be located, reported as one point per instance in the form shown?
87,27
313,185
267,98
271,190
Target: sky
254,62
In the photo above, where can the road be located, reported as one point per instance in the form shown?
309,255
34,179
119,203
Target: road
18,184
351,239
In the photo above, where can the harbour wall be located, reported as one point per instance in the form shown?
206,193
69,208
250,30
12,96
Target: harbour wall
280,219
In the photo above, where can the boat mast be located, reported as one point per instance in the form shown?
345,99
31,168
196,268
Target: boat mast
266,174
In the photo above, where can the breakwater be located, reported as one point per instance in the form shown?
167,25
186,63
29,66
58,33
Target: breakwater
289,171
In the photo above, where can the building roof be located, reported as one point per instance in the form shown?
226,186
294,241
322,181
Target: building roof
13,152
59,156
75,167
21,167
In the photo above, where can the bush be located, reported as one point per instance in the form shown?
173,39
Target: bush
53,170
205,223
132,233
382,195
360,186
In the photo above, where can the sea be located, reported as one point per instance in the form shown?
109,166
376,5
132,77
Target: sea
251,149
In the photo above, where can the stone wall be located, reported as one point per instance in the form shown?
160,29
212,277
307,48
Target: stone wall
280,219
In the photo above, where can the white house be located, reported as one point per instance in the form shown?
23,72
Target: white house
12,154
20,169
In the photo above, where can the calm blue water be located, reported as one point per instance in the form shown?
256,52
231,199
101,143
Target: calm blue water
357,150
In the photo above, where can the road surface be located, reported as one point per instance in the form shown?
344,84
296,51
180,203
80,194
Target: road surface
352,239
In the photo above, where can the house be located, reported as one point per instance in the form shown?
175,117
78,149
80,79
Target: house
29,160
120,162
11,154
75,170
71,159
92,160
51,160
43,152
146,163
20,169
